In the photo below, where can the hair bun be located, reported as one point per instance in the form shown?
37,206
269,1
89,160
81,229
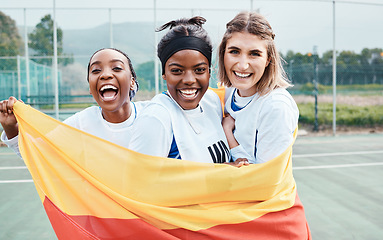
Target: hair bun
198,21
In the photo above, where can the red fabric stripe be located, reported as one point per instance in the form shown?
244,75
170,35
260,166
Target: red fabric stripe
287,224
90,227
283,225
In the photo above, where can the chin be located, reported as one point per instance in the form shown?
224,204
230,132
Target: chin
189,106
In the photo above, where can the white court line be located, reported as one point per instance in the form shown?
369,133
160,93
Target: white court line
6,154
13,168
340,166
335,154
294,168
17,181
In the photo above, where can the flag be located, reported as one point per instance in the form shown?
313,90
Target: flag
94,189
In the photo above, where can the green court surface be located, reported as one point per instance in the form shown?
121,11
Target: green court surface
339,181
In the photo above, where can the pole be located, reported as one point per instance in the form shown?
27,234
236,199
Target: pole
155,49
26,53
18,78
333,73
110,28
315,55
55,71
291,69
13,84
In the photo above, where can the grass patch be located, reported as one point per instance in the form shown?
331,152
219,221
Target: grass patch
346,115
357,89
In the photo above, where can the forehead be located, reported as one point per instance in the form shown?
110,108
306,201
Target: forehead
245,40
187,56
107,55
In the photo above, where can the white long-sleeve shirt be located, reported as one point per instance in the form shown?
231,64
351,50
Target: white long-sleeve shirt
264,126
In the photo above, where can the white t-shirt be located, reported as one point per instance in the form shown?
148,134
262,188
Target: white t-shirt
264,126
90,120
197,133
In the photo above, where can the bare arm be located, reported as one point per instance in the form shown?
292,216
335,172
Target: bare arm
228,124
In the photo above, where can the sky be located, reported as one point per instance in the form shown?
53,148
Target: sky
298,25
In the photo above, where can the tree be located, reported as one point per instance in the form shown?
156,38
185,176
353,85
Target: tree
10,42
41,41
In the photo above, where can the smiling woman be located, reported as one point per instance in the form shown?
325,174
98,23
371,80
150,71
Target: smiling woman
112,83
185,121
187,77
111,78
262,116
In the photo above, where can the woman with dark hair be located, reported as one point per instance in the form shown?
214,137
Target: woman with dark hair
112,83
184,122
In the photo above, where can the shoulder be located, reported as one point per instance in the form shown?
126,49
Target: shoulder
140,104
210,94
229,92
156,109
90,112
280,97
153,120
279,105
211,100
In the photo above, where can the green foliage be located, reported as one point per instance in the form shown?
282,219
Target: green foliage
41,41
352,68
10,42
346,115
145,75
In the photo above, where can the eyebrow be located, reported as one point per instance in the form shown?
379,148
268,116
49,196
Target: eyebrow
179,65
111,61
237,48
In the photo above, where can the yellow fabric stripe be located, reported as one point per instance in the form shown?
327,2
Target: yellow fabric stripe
86,175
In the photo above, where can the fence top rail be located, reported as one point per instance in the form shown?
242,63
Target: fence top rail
178,9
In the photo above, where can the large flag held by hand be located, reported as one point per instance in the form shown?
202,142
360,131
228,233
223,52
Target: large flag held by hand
94,189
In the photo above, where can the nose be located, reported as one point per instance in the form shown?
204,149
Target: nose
189,78
243,63
106,74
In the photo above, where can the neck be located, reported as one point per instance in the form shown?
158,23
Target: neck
118,116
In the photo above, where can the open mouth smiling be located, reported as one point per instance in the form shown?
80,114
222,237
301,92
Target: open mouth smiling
108,92
189,93
242,75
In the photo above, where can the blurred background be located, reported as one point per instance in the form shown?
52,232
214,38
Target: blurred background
333,51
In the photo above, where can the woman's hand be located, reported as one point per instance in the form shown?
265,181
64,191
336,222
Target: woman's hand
7,118
239,162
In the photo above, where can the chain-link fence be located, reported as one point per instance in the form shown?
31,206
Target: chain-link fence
26,69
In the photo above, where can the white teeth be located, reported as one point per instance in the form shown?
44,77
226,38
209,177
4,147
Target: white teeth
108,87
242,75
108,98
188,91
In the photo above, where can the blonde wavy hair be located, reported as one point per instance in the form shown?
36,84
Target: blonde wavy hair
254,23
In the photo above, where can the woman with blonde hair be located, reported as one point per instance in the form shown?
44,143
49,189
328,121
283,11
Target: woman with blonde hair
265,114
